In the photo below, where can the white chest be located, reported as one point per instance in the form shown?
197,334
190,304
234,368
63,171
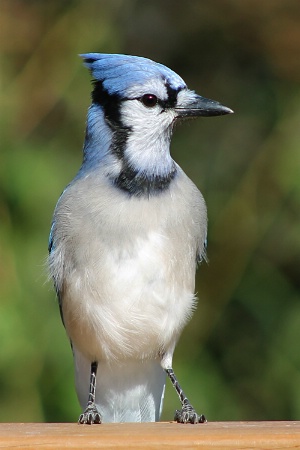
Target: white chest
129,270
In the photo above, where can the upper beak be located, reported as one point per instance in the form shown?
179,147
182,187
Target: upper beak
198,106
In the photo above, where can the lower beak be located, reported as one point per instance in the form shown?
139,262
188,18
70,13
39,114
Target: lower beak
202,107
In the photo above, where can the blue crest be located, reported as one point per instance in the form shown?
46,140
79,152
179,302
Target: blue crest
118,73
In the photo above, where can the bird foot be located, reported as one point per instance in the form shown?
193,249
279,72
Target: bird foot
188,415
90,415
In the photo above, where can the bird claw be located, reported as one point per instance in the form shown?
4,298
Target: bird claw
188,415
90,416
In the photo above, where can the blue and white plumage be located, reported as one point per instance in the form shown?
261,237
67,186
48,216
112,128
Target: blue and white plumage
126,236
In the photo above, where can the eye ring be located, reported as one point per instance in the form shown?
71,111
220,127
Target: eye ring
149,100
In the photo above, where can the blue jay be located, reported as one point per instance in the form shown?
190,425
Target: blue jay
125,240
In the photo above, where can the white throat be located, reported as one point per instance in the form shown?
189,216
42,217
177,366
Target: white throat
148,144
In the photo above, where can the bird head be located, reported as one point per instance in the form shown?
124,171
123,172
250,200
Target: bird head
140,100
135,90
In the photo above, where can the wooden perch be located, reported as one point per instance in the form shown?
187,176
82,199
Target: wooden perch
163,435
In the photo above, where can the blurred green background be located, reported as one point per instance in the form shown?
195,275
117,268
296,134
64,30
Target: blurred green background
239,357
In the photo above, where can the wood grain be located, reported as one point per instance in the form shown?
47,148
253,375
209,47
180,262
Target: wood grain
163,435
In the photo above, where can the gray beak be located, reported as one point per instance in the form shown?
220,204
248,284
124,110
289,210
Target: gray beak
197,106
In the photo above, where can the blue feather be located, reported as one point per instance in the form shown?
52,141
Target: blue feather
120,72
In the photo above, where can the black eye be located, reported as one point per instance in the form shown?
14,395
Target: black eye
149,100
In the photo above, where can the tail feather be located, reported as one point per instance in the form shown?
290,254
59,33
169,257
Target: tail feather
128,391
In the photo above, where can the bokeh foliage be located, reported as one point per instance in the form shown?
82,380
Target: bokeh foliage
239,358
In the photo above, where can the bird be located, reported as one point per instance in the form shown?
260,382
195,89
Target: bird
126,237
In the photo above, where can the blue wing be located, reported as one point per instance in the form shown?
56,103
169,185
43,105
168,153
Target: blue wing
57,290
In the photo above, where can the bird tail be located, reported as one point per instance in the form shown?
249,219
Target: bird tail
126,391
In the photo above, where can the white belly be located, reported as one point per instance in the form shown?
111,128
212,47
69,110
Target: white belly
130,300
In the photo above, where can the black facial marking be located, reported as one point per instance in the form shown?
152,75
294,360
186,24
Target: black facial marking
140,185
172,97
111,106
119,141
109,102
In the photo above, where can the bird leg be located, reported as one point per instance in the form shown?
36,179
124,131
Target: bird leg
91,414
186,414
